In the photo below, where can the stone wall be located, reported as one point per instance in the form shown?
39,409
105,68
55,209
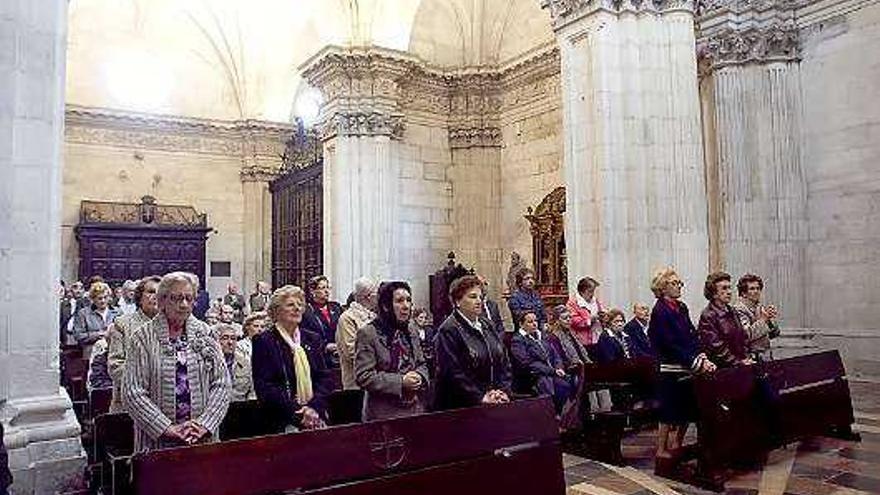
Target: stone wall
840,76
120,157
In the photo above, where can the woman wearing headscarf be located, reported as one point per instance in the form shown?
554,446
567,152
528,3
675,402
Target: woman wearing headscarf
389,363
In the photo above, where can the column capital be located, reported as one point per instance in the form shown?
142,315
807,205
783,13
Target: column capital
566,12
361,88
740,32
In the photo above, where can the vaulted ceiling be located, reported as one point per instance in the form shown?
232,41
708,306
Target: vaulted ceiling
231,59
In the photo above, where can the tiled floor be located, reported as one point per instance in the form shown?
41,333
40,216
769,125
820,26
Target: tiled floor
820,466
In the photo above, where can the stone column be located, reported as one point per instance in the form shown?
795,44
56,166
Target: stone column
753,106
42,433
263,148
475,175
361,127
633,157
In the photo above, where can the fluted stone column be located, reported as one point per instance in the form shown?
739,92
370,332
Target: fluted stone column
42,433
633,158
753,106
361,127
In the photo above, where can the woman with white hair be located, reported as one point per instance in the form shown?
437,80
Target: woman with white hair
290,374
175,384
91,322
359,314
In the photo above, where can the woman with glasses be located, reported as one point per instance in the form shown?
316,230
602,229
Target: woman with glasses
175,384
675,340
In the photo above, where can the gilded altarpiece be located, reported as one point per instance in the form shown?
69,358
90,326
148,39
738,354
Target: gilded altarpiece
548,247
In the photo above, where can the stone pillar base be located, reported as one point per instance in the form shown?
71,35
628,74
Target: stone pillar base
42,437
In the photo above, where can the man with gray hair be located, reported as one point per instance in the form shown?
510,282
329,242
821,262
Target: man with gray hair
360,313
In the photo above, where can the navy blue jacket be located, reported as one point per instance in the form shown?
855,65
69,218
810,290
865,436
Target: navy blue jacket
275,377
609,349
314,321
639,344
531,360
521,301
5,475
673,335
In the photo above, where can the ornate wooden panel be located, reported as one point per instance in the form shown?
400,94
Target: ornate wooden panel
297,214
122,241
548,247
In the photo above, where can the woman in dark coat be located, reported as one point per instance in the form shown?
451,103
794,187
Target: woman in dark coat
536,365
389,364
290,375
674,338
472,365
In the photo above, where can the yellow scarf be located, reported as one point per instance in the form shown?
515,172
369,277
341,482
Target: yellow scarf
301,368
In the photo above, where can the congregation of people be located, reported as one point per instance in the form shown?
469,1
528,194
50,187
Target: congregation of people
175,358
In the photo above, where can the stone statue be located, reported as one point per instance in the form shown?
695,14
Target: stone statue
516,264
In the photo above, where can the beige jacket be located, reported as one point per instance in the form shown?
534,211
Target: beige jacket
149,379
351,320
117,338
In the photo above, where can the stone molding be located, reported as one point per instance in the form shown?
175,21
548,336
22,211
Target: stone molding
372,91
566,12
475,137
259,144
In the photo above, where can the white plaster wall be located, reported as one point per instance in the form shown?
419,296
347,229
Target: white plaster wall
209,183
841,148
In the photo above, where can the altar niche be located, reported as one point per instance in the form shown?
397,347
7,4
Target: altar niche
547,227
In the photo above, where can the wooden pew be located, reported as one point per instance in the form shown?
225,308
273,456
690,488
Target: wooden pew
243,420
747,411
511,448
113,447
601,432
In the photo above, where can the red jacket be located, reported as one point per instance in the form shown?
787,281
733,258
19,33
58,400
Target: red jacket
582,321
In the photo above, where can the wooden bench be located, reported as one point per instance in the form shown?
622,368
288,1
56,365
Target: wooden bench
113,446
600,433
747,411
511,448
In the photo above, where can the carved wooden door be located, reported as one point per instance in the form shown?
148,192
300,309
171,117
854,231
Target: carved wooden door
297,225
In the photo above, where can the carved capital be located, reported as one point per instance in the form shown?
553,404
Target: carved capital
362,124
259,173
565,12
758,45
475,137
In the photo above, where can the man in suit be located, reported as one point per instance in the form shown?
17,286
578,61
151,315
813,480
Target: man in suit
322,316
637,331
236,300
536,365
259,300
490,310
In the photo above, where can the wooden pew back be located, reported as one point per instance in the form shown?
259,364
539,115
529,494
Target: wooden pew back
498,449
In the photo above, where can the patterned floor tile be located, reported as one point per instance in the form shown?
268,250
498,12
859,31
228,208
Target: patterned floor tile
859,482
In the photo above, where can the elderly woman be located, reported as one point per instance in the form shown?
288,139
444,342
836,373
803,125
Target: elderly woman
242,376
118,333
92,321
175,385
389,364
472,366
586,313
536,366
421,327
722,336
359,313
758,320
290,375
567,346
614,344
675,341
526,298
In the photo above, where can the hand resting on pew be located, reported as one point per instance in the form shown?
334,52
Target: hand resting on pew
495,397
311,420
187,433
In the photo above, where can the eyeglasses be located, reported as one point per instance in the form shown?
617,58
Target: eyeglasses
178,298
677,283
